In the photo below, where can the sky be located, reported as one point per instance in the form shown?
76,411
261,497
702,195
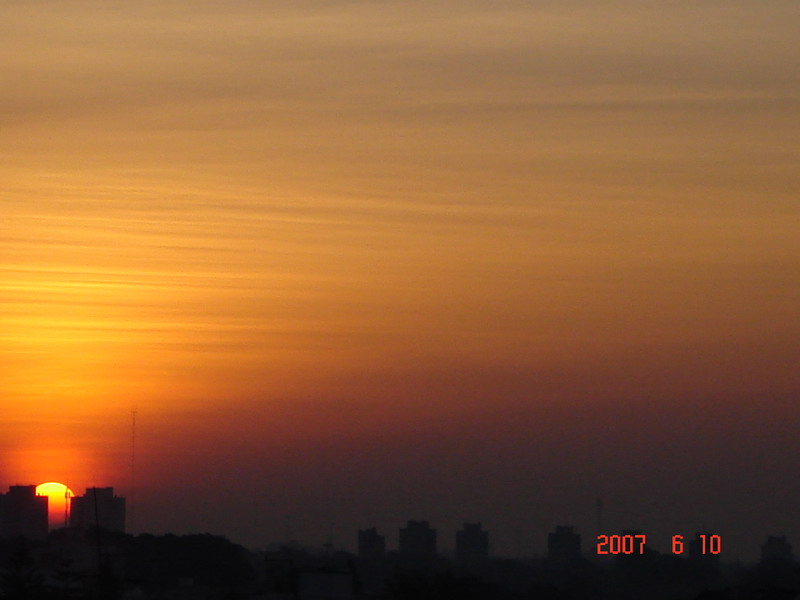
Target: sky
354,263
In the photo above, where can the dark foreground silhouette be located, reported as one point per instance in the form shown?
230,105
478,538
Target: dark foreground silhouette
104,565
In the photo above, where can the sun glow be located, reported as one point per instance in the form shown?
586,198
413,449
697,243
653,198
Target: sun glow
58,500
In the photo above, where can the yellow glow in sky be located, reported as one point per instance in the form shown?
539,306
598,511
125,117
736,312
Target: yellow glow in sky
58,496
262,222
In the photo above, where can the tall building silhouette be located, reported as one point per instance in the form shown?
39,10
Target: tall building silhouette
23,513
563,547
98,507
371,544
472,544
418,540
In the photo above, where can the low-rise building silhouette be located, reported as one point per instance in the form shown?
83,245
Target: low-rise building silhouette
472,544
563,547
296,574
23,513
418,540
98,507
371,545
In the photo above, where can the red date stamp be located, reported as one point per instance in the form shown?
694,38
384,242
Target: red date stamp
636,543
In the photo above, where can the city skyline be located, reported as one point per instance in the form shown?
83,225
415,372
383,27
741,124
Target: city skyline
470,544
80,559
474,261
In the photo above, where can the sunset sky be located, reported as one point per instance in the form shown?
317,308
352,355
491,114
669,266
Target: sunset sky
354,263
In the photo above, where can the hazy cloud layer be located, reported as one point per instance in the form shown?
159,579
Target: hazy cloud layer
347,229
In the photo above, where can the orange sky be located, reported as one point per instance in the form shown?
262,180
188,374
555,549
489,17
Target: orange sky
274,228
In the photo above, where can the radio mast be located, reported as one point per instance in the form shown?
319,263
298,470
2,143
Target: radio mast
133,470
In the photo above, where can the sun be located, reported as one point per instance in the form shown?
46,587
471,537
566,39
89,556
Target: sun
58,500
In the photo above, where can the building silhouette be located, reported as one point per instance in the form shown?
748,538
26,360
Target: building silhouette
23,513
472,544
370,544
563,547
98,507
418,540
294,573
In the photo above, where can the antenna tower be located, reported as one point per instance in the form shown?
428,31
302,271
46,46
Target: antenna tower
133,469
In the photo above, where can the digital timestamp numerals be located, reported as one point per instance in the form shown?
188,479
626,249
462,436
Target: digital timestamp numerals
635,544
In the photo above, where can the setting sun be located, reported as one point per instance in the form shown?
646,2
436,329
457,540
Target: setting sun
270,266
58,501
